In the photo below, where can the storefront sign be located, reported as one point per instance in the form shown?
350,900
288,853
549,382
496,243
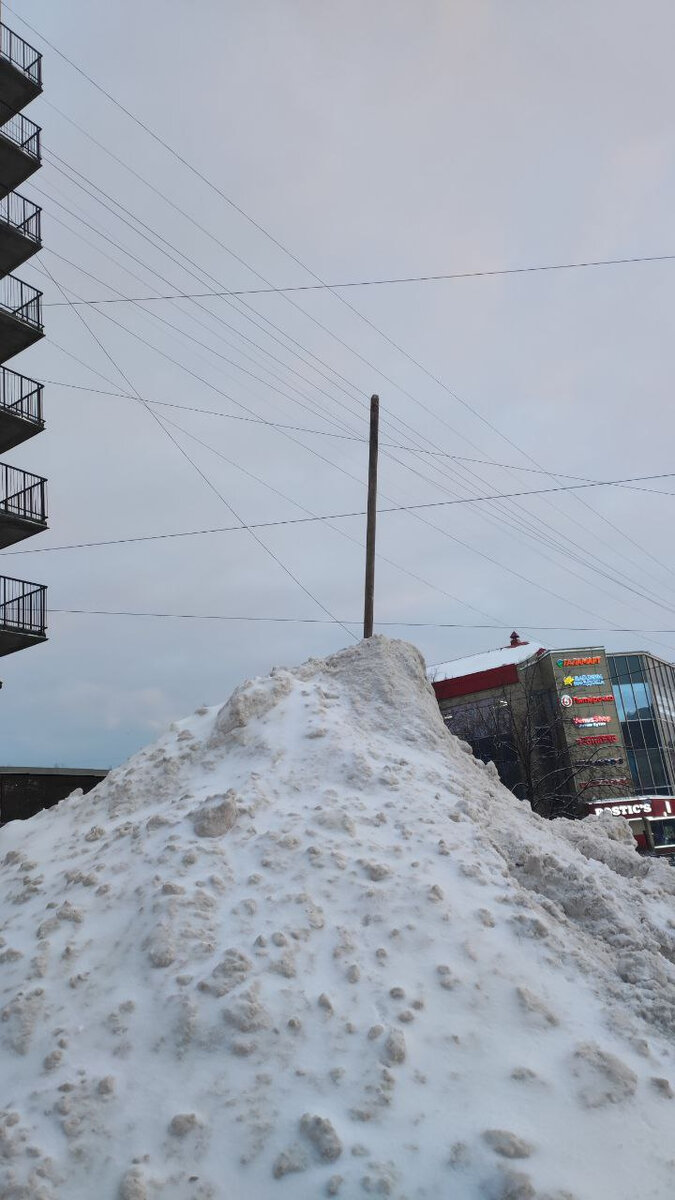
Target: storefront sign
583,681
604,783
566,700
597,762
593,699
599,739
579,662
646,806
594,720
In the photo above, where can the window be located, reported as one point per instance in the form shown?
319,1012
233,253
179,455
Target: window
642,699
663,832
657,768
634,667
649,734
618,668
628,701
633,731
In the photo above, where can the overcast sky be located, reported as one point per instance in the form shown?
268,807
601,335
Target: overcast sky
371,140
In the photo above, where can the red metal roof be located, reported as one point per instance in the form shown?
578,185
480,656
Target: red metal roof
479,681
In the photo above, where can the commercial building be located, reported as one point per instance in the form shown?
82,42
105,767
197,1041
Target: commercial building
565,728
23,495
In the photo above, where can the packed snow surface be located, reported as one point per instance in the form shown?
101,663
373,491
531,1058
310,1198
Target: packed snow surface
305,945
506,656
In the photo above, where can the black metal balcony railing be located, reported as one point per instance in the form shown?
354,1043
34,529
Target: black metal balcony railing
21,300
20,396
26,58
23,606
22,132
22,215
22,494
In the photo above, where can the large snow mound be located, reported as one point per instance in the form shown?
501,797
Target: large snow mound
306,945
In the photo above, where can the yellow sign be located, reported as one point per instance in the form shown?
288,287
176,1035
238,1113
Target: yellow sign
568,680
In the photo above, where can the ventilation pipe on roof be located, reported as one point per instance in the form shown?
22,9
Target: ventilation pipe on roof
516,640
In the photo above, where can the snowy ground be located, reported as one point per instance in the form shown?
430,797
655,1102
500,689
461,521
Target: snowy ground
306,945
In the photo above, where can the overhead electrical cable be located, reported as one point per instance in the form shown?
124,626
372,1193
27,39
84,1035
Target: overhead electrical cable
364,283
526,626
446,533
509,517
205,478
547,539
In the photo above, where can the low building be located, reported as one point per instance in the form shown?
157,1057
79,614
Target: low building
25,791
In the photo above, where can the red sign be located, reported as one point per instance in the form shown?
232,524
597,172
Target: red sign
598,739
593,699
604,783
579,662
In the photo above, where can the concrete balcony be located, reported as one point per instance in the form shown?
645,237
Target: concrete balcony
23,614
20,409
20,231
23,505
20,70
20,154
20,316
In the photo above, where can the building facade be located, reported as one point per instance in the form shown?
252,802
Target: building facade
644,690
549,719
23,495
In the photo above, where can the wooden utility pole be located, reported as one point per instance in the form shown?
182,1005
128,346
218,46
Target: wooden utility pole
372,512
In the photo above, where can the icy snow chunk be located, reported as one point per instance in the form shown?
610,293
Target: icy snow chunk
507,1144
538,1012
289,1161
216,816
395,1047
604,1078
321,1133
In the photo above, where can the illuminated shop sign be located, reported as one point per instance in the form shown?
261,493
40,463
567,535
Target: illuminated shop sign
598,739
648,807
579,662
604,783
593,699
598,762
583,681
591,720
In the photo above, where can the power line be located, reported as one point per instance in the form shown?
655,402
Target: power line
525,523
363,283
326,286
100,612
344,437
204,477
445,533
354,513
510,518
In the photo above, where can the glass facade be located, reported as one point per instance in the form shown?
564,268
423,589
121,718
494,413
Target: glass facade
644,691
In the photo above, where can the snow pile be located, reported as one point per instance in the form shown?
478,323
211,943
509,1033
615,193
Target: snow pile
305,945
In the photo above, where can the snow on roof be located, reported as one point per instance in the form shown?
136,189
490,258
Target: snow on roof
305,945
504,656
